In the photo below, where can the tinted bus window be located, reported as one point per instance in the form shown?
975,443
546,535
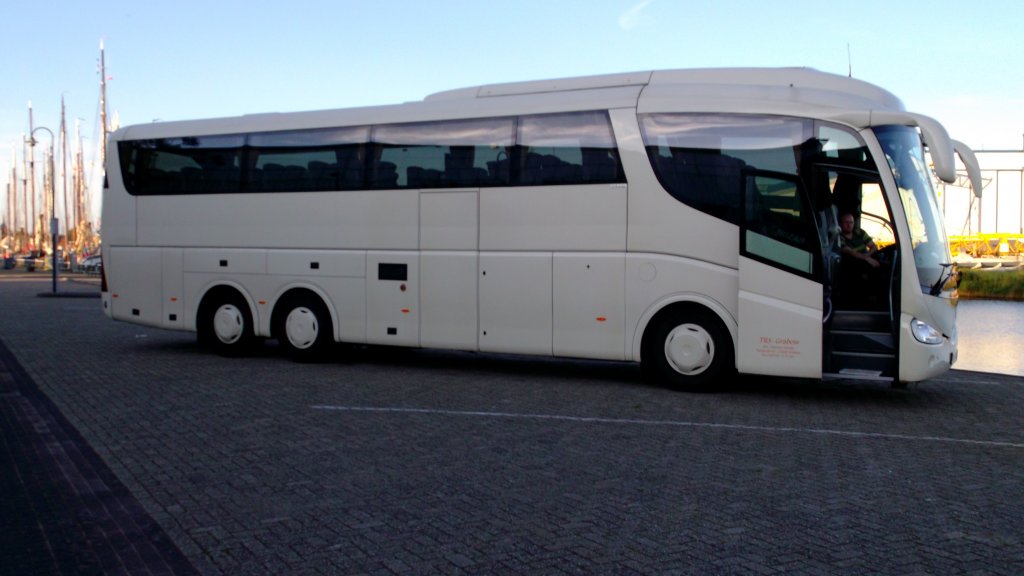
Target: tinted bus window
699,159
450,154
576,148
189,165
325,159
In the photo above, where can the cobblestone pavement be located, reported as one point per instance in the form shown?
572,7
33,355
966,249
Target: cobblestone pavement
420,462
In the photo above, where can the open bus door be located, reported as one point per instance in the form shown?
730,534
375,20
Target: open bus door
860,337
781,279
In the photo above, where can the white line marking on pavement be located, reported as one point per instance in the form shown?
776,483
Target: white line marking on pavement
678,423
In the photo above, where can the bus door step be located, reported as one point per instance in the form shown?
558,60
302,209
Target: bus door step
857,374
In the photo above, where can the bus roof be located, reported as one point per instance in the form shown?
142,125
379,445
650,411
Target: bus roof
804,85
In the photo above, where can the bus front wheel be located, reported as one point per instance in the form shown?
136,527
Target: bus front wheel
225,324
687,348
302,324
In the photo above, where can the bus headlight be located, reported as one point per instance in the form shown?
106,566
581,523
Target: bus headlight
925,333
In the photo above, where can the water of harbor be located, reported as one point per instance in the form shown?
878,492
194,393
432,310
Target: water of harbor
991,336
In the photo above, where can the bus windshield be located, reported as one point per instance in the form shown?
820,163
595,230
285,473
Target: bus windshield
905,155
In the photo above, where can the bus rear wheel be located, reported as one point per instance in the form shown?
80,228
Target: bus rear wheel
302,324
225,324
688,349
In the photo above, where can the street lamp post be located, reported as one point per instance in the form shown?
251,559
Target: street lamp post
54,223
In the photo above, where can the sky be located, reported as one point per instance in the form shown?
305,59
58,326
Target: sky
959,62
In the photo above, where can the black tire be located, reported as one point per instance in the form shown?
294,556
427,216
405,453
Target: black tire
689,349
225,324
303,327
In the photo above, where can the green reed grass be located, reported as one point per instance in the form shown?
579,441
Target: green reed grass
992,284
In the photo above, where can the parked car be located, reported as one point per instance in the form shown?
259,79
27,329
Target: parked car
32,260
92,264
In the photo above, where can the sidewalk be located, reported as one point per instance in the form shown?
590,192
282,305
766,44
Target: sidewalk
69,284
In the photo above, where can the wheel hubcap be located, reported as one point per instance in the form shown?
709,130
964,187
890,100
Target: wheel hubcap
228,324
689,349
301,327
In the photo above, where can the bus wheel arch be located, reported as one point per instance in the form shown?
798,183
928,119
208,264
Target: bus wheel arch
687,346
225,322
302,323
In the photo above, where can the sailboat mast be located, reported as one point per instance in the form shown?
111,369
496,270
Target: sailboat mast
12,216
64,174
81,190
103,108
24,191
12,202
32,176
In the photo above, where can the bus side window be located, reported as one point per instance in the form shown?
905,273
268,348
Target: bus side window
576,148
779,226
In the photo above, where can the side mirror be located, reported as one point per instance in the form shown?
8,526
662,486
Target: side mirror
971,163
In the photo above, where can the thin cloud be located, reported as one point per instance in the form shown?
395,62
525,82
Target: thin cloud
634,17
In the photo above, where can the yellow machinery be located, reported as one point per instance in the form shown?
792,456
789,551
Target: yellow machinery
987,245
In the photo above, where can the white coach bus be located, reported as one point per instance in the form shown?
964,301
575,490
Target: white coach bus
684,219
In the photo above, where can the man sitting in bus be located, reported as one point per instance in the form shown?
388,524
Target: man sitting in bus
858,272
855,242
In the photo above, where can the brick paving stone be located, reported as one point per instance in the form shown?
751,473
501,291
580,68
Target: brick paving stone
506,465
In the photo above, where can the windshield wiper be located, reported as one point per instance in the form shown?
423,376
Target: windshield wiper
943,278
